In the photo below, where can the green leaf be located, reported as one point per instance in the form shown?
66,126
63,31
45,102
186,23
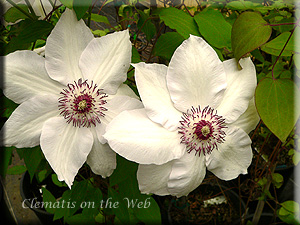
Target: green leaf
79,219
275,46
13,14
176,19
167,44
32,159
78,194
124,170
57,182
275,104
148,27
289,212
277,179
48,200
29,31
67,3
214,28
80,7
120,209
249,32
5,156
99,18
18,169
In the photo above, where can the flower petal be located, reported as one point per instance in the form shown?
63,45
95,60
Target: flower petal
102,159
115,105
233,156
124,89
106,60
65,147
26,77
24,126
154,178
240,89
64,46
187,174
134,136
196,75
152,86
249,119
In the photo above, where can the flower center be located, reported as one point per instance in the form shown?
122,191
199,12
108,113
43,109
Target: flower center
82,104
202,131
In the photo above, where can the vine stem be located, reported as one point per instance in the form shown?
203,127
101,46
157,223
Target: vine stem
283,48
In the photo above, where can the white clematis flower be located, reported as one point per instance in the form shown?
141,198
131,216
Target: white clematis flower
197,114
68,98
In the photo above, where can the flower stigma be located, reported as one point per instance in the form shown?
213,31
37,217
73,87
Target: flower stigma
82,104
202,130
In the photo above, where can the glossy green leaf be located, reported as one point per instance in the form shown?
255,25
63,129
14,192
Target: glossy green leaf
146,25
118,205
182,22
277,179
48,200
13,14
28,32
80,7
214,28
167,44
124,169
275,104
67,3
57,182
99,18
18,169
289,212
32,158
249,32
275,46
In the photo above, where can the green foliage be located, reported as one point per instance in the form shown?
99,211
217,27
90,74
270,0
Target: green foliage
214,28
275,46
14,14
277,179
167,44
67,3
249,32
80,7
18,169
289,212
49,200
99,18
28,31
176,19
145,24
275,105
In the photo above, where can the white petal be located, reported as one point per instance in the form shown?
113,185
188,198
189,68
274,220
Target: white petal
124,89
187,174
106,60
152,86
64,46
65,147
101,159
26,76
233,156
135,137
249,119
115,105
240,89
153,179
41,7
23,128
196,75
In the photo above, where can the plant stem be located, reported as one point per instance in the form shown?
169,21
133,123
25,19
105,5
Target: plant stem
261,203
280,24
30,8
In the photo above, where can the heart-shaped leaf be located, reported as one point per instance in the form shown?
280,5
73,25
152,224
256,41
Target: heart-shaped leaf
249,31
275,104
